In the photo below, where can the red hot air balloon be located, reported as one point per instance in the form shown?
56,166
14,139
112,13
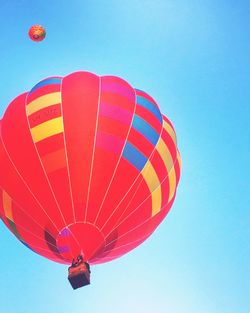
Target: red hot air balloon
37,33
89,167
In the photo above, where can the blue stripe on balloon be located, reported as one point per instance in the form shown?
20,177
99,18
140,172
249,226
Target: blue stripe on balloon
134,156
49,81
26,245
145,129
149,106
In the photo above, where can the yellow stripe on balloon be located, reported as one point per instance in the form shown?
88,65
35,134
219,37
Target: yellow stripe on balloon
7,206
47,129
168,161
43,102
170,131
152,180
172,183
179,159
165,154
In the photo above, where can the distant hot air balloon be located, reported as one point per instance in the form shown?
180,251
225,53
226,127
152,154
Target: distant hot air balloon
37,33
88,168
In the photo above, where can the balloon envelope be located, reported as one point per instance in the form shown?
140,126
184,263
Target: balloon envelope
88,165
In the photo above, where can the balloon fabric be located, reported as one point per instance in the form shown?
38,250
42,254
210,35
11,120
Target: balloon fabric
88,166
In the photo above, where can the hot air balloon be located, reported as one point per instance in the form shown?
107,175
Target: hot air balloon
37,33
89,168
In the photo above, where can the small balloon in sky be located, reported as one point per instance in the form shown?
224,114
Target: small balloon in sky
37,33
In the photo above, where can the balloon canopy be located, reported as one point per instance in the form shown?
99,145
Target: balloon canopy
37,33
88,165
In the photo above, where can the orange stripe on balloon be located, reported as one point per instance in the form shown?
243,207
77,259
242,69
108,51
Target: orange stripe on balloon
54,160
51,144
7,205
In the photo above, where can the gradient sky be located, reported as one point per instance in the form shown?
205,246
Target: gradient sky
193,58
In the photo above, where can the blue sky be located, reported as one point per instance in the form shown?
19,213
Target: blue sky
193,58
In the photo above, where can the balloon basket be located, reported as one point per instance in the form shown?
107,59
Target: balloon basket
78,276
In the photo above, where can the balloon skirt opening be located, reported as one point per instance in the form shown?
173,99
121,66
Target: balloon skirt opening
80,239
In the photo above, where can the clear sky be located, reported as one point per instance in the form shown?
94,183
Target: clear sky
193,58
